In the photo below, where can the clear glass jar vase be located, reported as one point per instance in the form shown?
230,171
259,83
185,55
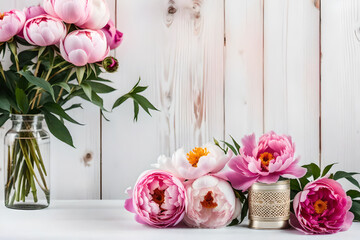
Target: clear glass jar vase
27,163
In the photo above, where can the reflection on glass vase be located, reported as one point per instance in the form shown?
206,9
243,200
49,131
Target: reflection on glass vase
27,163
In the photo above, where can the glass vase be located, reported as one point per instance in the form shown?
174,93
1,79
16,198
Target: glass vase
269,205
27,163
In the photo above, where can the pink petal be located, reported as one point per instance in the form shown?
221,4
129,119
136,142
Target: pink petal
249,144
239,181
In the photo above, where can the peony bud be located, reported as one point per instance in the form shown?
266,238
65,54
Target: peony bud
110,64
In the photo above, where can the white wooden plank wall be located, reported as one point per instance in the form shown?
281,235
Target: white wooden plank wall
291,73
177,49
215,68
243,67
340,83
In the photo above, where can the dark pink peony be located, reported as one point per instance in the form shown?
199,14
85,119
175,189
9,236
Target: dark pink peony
158,199
113,36
322,207
264,162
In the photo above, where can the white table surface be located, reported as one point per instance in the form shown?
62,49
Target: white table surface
109,220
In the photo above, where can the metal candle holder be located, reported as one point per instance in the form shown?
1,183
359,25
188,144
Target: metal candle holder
269,205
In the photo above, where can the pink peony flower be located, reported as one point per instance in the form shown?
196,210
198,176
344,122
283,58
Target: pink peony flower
99,15
34,11
264,162
70,11
211,203
84,46
44,30
196,163
158,199
322,207
113,36
11,24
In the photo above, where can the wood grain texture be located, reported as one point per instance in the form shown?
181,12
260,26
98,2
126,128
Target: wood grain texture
291,73
243,67
177,48
340,84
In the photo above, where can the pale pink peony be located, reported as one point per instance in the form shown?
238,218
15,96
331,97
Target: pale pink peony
113,36
84,46
196,163
99,15
31,12
264,162
44,30
158,199
70,11
211,203
34,11
322,208
11,23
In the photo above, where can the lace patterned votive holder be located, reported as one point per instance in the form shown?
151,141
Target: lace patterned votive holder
269,205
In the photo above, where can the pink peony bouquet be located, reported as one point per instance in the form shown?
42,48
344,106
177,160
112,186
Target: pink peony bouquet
207,187
187,190
57,54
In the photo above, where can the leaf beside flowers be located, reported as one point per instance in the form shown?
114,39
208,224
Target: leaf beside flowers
39,82
22,100
57,128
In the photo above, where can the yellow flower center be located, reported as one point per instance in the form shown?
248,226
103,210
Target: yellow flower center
266,158
209,201
320,206
194,156
2,15
158,196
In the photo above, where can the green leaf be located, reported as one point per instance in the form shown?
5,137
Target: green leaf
63,85
230,146
244,210
139,89
87,90
39,82
144,103
120,100
353,194
80,71
4,102
218,144
327,169
304,181
295,185
22,100
353,181
234,222
57,109
236,145
136,111
355,209
57,128
100,87
342,174
74,106
312,170
3,118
